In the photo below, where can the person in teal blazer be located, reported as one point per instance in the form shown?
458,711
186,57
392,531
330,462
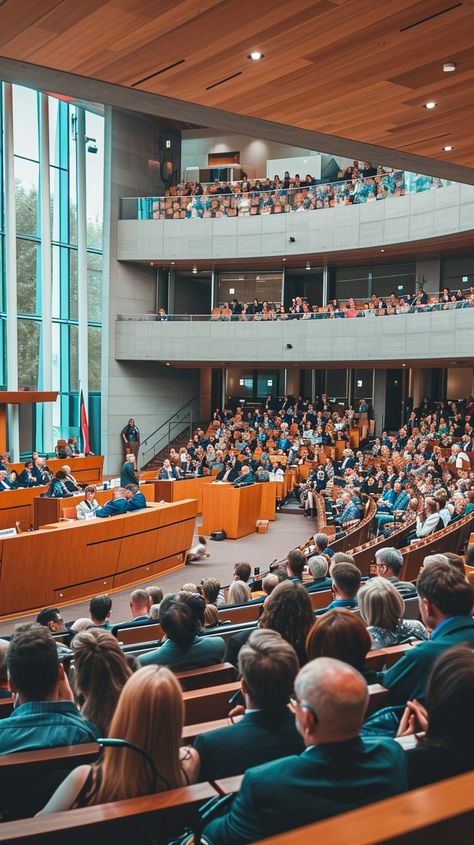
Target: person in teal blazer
183,649
337,771
117,505
446,604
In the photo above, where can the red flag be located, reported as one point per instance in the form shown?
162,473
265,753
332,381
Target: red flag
84,427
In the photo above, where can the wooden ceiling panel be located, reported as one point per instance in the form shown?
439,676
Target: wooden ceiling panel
354,70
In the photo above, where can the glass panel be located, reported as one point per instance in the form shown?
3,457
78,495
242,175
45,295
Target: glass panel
25,122
94,286
54,136
72,191
249,286
26,196
73,284
73,358
28,271
399,279
94,350
28,353
3,362
95,179
362,386
336,384
2,272
353,283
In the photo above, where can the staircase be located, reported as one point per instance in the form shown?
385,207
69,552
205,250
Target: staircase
173,432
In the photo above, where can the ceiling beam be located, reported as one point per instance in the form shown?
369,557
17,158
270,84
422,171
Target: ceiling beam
120,96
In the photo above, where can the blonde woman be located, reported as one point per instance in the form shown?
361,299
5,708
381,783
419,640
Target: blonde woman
239,592
100,673
382,607
150,713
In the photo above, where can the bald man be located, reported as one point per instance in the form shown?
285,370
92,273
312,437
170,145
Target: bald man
337,771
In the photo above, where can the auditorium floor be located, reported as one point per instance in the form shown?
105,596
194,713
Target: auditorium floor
284,534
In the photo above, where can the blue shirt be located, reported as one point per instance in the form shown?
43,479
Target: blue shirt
137,502
112,508
440,627
44,724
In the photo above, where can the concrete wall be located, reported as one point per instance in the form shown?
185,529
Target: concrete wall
397,338
459,382
147,393
402,219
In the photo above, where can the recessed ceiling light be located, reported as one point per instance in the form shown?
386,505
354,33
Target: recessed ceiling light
172,262
430,104
448,148
255,56
195,269
448,67
283,259
382,250
403,365
308,265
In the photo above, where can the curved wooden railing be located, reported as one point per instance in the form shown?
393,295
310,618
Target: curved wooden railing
449,539
364,555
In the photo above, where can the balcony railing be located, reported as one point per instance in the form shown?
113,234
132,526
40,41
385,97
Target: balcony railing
212,204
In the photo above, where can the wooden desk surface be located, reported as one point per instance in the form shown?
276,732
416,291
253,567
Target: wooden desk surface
72,561
185,488
233,509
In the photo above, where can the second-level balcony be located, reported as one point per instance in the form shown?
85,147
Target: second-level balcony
321,219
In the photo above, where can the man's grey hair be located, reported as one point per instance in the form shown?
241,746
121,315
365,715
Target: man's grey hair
270,582
432,559
318,566
321,541
391,558
336,692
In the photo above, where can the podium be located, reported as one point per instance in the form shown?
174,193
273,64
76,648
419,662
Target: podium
232,509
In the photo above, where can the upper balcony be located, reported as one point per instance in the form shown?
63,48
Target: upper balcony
428,335
389,209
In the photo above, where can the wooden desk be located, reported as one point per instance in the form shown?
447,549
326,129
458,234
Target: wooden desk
185,488
268,502
17,505
83,469
234,509
46,511
72,561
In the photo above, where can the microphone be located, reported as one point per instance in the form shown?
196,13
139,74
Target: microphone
113,742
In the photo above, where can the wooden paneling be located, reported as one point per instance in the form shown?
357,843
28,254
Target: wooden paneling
361,72
47,510
72,560
83,469
187,488
233,509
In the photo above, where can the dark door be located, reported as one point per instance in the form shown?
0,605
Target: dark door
393,400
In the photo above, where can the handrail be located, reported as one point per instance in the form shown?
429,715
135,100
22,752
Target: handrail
277,199
172,422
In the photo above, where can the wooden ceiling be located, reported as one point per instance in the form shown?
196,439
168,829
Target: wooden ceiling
357,69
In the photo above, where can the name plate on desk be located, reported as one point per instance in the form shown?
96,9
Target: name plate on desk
8,532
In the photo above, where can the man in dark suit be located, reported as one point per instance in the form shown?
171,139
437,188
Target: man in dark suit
268,666
389,562
446,600
245,478
229,473
135,500
117,505
26,477
318,567
128,474
337,772
5,484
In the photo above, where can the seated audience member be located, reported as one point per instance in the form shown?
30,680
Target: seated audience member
149,700
382,608
295,564
100,608
183,648
337,772
446,602
211,616
100,673
245,478
389,563
58,488
167,472
135,499
447,747
388,508
199,551
72,449
88,507
128,474
117,505
72,485
288,611
6,482
239,593
46,715
268,666
211,591
321,545
351,511
5,691
453,560
428,519
269,583
139,606
26,477
346,580
51,618
196,603
340,634
318,568
155,594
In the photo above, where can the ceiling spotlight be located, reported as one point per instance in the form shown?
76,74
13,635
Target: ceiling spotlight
447,148
308,265
172,262
283,259
430,104
255,56
382,250
195,269
448,67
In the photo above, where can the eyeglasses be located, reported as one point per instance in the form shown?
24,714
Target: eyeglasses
303,705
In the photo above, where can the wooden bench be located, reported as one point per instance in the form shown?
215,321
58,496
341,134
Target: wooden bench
206,676
145,819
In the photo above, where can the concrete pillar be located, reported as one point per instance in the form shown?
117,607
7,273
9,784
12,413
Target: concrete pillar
428,273
205,388
380,388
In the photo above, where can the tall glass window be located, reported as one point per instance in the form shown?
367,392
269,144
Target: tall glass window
63,234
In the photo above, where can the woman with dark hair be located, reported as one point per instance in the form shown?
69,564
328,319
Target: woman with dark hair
340,633
57,488
447,747
288,610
